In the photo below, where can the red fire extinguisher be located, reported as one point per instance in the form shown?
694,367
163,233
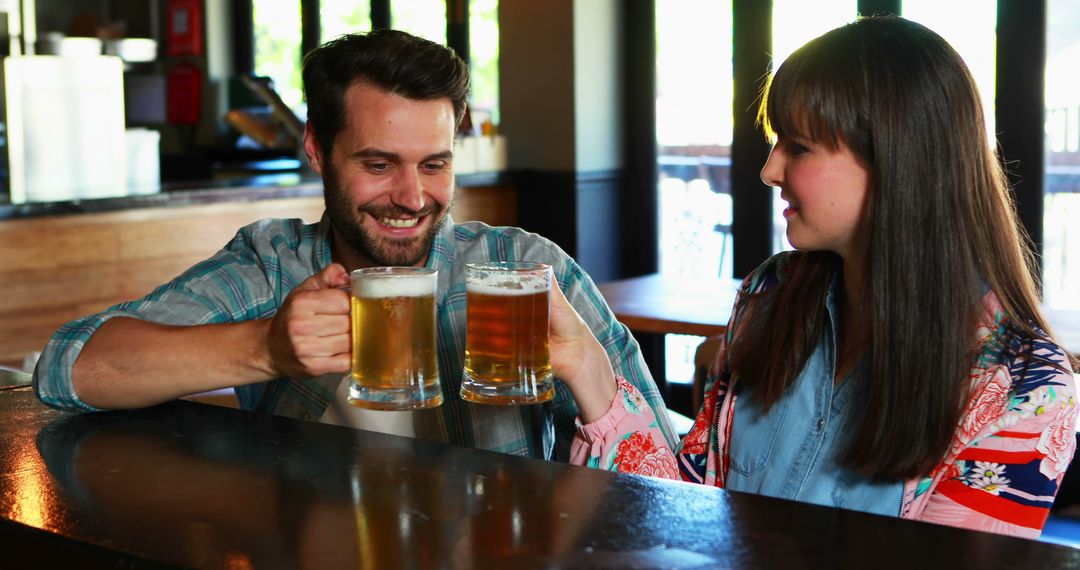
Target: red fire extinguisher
184,27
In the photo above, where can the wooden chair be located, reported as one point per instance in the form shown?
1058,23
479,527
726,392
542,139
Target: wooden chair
703,359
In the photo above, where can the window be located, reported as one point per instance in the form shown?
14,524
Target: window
484,60
796,22
277,47
1061,236
340,18
970,26
694,93
424,18
277,31
693,130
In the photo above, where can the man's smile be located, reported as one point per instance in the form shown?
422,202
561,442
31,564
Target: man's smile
399,223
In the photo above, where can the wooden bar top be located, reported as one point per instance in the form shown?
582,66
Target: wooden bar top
192,485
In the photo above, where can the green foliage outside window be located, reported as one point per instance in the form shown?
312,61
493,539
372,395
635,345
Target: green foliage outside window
338,18
277,47
484,59
277,41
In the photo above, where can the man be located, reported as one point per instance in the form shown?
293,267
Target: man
267,314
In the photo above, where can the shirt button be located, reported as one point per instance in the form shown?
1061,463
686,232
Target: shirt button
820,424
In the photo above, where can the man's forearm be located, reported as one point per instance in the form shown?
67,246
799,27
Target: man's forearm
129,363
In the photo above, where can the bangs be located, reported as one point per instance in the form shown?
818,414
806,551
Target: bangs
817,95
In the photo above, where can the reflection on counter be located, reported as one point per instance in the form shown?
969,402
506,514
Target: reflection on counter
298,498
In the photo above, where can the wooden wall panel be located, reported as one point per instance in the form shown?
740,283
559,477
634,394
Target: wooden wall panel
187,233
55,269
22,332
29,247
493,205
44,288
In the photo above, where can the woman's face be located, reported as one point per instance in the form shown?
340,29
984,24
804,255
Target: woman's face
826,191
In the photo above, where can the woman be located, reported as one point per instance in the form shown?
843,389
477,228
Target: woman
897,362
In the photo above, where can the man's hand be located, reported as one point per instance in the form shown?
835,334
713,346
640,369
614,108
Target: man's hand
309,335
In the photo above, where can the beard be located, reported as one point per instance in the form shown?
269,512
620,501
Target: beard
347,219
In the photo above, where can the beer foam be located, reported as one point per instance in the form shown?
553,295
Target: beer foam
376,288
507,288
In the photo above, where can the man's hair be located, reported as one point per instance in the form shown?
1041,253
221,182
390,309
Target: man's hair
394,61
940,226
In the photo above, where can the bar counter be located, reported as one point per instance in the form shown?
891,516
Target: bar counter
192,485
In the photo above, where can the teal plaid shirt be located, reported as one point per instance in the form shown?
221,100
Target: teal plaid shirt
252,275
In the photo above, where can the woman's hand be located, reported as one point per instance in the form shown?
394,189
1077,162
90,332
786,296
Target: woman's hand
579,360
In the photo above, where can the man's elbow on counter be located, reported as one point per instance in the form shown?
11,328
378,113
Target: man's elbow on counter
54,386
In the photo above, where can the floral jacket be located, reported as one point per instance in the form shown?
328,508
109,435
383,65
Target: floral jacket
1008,457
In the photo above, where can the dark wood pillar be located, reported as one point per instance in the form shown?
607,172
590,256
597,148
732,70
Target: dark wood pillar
457,27
640,200
872,7
310,26
751,198
1020,113
380,14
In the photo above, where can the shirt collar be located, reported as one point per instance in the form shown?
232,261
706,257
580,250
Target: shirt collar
320,252
441,255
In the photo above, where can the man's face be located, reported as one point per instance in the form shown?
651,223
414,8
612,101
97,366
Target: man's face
389,178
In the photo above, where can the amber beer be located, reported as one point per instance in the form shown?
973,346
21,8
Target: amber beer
394,363
506,348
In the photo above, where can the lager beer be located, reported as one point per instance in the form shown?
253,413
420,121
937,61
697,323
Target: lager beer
506,348
394,363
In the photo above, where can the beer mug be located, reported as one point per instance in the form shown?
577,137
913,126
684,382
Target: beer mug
394,364
506,347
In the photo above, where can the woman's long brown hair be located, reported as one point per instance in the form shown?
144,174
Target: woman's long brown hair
941,227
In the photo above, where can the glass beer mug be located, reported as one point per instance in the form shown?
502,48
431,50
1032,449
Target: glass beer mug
506,348
394,363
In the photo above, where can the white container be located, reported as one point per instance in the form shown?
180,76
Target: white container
465,155
132,50
480,154
79,47
143,161
65,127
491,153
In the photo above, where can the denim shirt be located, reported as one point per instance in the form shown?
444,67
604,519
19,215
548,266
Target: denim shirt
790,453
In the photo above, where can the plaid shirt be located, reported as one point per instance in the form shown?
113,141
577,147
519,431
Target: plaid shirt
252,275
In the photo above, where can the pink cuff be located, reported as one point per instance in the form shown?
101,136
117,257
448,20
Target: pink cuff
609,422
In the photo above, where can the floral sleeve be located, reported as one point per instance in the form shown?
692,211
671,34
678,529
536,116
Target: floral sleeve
1011,451
627,439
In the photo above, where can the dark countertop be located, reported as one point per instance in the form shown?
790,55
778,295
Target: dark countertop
239,189
192,485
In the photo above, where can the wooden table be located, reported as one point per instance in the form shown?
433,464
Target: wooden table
654,305
664,304
192,485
